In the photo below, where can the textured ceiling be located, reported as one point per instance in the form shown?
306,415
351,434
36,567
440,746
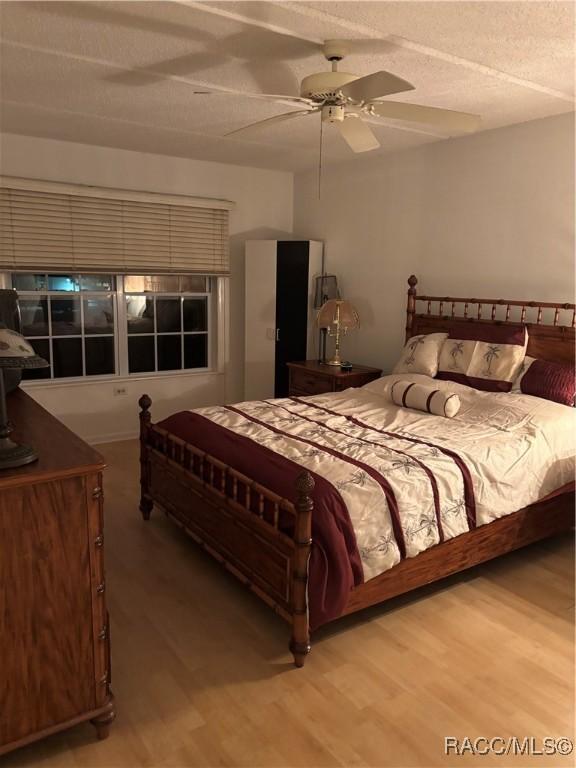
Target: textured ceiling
123,74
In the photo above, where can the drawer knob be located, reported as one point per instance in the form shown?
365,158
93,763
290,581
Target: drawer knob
97,493
100,588
99,541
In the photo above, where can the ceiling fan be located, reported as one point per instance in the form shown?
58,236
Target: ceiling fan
343,99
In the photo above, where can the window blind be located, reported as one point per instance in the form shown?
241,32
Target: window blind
53,227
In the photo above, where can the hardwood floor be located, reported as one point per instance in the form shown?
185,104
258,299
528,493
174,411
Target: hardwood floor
202,675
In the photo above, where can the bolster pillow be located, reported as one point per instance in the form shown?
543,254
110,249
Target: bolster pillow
425,397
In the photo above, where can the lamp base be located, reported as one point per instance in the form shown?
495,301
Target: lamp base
335,361
14,455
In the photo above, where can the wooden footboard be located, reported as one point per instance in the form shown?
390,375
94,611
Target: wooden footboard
263,539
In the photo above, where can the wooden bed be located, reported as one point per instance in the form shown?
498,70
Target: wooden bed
216,506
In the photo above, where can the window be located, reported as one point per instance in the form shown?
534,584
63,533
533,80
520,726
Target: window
167,323
104,325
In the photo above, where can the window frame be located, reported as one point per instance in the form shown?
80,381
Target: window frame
121,335
123,317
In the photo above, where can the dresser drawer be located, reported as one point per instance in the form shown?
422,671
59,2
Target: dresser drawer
355,380
46,667
311,383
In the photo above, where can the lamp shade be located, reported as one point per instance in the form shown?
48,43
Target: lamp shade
338,312
326,288
17,352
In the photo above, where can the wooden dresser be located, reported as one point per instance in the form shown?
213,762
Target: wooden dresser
310,377
54,638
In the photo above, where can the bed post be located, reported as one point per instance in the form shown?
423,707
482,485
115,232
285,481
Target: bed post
145,499
300,642
411,305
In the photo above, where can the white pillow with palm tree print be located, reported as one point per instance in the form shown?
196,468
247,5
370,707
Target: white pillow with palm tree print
483,356
421,354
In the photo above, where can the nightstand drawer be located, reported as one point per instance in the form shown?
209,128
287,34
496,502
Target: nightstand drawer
309,377
312,384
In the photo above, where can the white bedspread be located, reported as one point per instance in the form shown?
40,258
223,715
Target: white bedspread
519,448
411,479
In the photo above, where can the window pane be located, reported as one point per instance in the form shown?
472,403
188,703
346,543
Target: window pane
24,282
98,314
65,316
193,284
100,356
97,282
67,357
141,354
140,314
42,348
169,353
168,315
34,315
151,284
63,283
195,315
196,351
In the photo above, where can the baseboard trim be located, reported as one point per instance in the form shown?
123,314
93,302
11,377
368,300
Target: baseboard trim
111,437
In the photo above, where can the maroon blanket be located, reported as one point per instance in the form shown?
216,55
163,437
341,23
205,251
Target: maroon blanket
335,566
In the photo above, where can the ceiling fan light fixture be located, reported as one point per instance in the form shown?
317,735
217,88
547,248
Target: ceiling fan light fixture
333,113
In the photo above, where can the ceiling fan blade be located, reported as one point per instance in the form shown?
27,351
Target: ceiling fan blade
272,120
358,135
262,96
445,119
374,86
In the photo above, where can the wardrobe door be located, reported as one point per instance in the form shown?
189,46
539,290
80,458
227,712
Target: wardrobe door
260,333
291,309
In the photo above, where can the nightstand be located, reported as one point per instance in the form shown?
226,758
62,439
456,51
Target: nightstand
310,377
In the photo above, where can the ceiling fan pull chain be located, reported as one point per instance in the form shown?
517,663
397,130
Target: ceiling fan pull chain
320,159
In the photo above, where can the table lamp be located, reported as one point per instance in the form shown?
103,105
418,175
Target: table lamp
337,316
15,352
326,288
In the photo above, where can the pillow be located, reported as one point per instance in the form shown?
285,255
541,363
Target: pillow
526,363
552,381
421,353
425,397
483,356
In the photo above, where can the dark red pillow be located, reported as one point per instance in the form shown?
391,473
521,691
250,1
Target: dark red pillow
552,381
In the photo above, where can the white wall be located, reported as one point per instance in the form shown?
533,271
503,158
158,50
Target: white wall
489,215
264,203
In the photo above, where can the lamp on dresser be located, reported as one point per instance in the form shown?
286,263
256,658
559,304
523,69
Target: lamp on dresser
15,352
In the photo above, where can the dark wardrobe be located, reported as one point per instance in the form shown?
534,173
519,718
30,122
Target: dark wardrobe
280,315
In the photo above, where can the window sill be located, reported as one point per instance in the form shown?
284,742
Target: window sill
115,380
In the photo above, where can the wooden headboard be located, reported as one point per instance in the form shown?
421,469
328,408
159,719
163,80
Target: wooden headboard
551,340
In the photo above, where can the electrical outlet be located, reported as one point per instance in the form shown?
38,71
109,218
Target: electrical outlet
120,390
